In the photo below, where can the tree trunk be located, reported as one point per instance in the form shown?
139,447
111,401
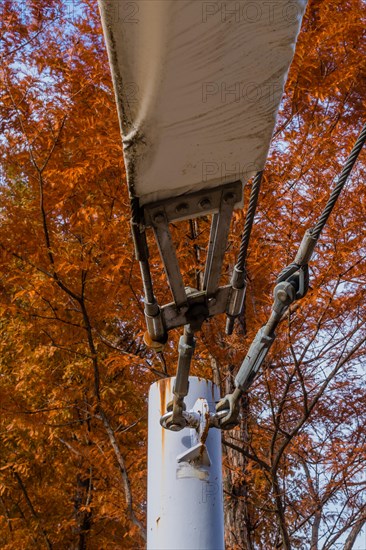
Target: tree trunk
315,530
355,531
83,516
237,518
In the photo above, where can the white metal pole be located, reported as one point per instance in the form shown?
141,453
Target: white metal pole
184,498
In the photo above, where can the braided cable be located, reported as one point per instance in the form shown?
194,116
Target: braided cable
253,201
341,183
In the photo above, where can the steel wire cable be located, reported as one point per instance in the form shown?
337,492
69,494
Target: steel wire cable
253,201
259,347
341,183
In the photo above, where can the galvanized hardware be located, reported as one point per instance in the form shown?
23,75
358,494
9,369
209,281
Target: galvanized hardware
186,347
154,323
227,410
190,306
238,281
236,300
192,420
198,453
139,241
175,420
142,255
176,417
174,317
205,204
292,284
298,276
218,241
306,248
169,257
192,205
284,295
254,359
182,208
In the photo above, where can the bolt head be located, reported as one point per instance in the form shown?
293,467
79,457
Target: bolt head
205,203
229,197
159,217
175,427
181,208
282,295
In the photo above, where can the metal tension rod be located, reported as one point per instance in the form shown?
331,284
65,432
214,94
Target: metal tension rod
176,420
155,328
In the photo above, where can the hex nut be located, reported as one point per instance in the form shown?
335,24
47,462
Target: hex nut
181,208
159,217
205,203
229,197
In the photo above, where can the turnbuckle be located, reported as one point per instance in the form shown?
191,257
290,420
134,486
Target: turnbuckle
236,300
292,284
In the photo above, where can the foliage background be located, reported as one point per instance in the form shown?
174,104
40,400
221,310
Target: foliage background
74,372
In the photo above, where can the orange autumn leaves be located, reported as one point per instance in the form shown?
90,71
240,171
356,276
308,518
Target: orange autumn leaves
74,373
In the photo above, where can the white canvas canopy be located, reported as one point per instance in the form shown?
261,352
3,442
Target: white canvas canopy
198,85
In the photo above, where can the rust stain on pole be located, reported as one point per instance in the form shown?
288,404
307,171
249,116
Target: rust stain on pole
164,389
180,495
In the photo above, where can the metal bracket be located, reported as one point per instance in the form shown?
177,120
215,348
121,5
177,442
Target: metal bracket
198,451
200,203
198,305
169,257
192,420
193,306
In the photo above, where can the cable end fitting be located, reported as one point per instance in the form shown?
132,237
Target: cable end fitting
238,278
306,248
230,321
254,359
236,300
156,335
